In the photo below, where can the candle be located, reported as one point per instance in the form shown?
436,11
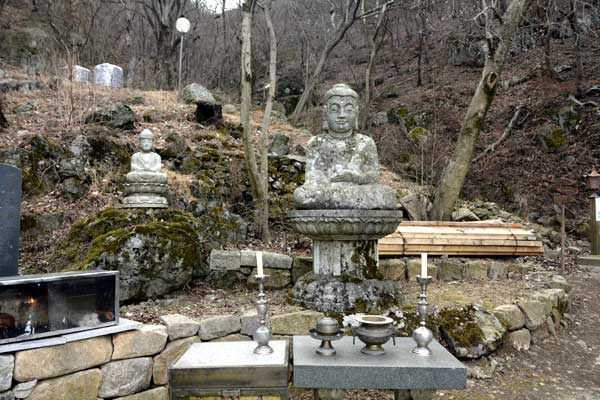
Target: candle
423,265
259,264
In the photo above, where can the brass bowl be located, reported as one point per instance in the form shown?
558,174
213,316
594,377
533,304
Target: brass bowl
374,331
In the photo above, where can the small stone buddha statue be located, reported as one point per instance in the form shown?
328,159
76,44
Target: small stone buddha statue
342,167
146,183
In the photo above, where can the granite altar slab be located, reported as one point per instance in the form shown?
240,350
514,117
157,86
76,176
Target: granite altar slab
397,369
10,215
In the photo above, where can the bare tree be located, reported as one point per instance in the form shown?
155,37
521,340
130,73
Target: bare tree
499,33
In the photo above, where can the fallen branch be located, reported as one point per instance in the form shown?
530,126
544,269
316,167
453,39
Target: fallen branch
506,132
582,104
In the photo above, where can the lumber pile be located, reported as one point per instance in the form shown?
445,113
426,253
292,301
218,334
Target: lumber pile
490,238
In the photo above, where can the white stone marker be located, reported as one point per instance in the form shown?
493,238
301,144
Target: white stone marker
108,75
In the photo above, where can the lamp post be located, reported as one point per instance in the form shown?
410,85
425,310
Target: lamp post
183,26
593,182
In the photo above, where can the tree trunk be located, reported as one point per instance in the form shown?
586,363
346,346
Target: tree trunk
578,60
254,175
451,183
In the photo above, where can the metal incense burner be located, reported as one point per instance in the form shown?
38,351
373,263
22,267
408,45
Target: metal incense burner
327,330
263,333
422,335
374,331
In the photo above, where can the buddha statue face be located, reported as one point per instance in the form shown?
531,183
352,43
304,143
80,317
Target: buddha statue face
341,110
146,141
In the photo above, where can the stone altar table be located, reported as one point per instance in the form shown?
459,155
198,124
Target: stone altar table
230,369
398,369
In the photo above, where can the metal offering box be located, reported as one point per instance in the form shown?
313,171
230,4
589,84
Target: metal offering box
37,306
230,369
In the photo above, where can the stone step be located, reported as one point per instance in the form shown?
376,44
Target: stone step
589,261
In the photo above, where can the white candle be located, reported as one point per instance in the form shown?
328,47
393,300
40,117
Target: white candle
423,265
259,264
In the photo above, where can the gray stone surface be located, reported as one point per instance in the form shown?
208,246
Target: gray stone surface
80,385
23,390
225,260
450,269
108,75
8,395
498,270
179,326
300,267
146,185
398,368
413,269
511,315
534,311
230,108
195,93
278,278
520,340
280,144
236,337
393,269
54,361
7,365
10,215
125,377
558,282
219,326
476,270
249,322
147,341
169,354
464,214
295,323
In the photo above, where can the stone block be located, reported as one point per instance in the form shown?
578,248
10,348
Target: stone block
535,313
219,326
558,282
278,278
300,267
520,269
228,260
511,315
550,325
7,395
159,393
147,341
393,269
476,270
48,362
413,269
550,300
540,334
295,323
179,326
249,322
520,340
169,354
125,377
497,270
270,259
82,385
237,337
7,365
23,390
450,270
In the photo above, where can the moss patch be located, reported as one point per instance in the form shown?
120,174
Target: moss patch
460,326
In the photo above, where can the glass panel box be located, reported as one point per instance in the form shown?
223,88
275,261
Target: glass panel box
36,306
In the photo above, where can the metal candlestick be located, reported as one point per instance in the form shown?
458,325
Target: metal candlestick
422,335
263,333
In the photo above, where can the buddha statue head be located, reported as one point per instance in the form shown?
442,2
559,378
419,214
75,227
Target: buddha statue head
146,140
340,111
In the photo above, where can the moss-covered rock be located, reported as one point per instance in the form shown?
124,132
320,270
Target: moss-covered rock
156,251
119,116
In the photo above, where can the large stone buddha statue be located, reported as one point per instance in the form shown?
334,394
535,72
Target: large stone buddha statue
342,167
146,183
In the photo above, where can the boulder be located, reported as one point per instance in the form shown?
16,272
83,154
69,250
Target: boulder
179,326
534,311
549,299
463,214
249,322
510,315
278,278
416,206
450,269
7,364
84,384
229,108
300,267
173,351
520,340
540,334
413,269
23,390
476,270
48,362
159,393
125,377
119,116
228,260
280,144
7,395
195,93
146,341
219,326
558,282
295,323
497,270
393,269
270,259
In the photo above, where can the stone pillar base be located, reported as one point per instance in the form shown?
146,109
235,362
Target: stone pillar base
346,257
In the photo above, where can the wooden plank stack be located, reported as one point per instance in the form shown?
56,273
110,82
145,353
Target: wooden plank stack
490,238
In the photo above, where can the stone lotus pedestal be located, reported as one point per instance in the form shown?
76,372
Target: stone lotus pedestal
145,195
345,276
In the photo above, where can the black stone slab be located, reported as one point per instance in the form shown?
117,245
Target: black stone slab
397,369
10,219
